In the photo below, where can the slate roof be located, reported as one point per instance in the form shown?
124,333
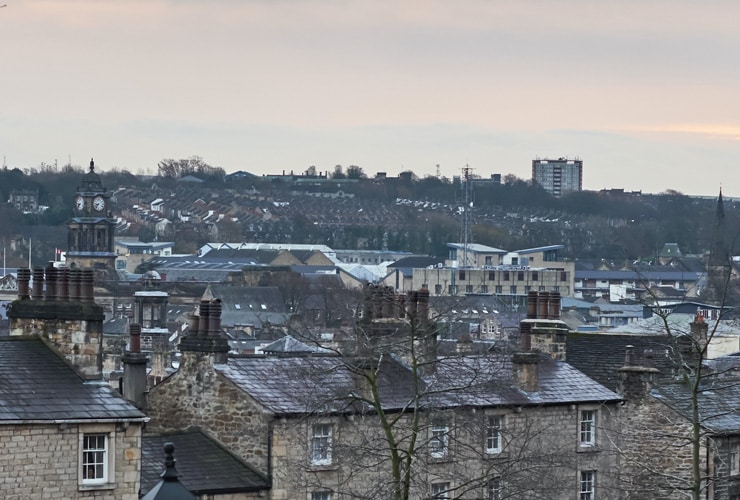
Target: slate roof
293,386
416,261
37,385
719,403
288,344
601,355
204,466
665,273
250,305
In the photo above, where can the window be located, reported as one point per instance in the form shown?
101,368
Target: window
321,444
321,495
563,276
506,276
94,458
493,434
462,275
512,289
499,289
588,479
484,289
440,490
468,288
494,489
520,276
437,289
439,441
734,465
452,289
491,275
587,426
535,276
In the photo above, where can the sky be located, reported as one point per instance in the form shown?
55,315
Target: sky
643,91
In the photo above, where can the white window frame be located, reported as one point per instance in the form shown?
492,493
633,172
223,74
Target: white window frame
439,440
587,485
322,443
495,489
321,495
587,419
494,434
105,459
441,491
733,468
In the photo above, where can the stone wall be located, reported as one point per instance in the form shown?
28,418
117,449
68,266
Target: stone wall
540,459
198,396
79,341
43,461
656,453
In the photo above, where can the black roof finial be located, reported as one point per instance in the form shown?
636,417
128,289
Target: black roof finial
170,472
92,165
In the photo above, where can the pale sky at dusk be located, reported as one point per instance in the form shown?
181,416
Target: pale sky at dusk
645,92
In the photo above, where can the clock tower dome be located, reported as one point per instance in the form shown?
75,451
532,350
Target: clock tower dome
90,230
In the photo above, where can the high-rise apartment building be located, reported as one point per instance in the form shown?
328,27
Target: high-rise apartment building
558,177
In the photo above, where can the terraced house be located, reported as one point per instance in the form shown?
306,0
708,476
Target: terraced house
387,416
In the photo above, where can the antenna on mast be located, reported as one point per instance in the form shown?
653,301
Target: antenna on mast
467,219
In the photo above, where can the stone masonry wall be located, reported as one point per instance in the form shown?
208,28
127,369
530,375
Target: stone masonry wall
78,340
198,396
42,461
540,459
656,454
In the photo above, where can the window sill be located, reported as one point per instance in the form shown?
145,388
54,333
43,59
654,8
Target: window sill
323,467
96,487
496,455
440,459
588,448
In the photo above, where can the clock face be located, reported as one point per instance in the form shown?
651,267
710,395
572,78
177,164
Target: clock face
98,203
79,203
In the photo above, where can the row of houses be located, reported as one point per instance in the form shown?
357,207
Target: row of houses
560,415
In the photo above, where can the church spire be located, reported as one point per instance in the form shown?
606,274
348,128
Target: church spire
719,254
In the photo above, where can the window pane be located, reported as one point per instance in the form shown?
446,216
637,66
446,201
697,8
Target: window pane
94,457
587,484
438,444
493,434
321,444
587,424
440,490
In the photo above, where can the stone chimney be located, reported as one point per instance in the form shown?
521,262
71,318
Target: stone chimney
73,326
699,330
543,330
134,369
525,370
207,340
635,381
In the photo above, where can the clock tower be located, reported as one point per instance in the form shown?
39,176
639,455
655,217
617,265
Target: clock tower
90,231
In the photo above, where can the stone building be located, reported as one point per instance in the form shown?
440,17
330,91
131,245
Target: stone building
65,434
658,376
466,426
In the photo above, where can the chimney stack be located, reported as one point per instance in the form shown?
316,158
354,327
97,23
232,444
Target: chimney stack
24,278
37,293
635,381
525,370
134,369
